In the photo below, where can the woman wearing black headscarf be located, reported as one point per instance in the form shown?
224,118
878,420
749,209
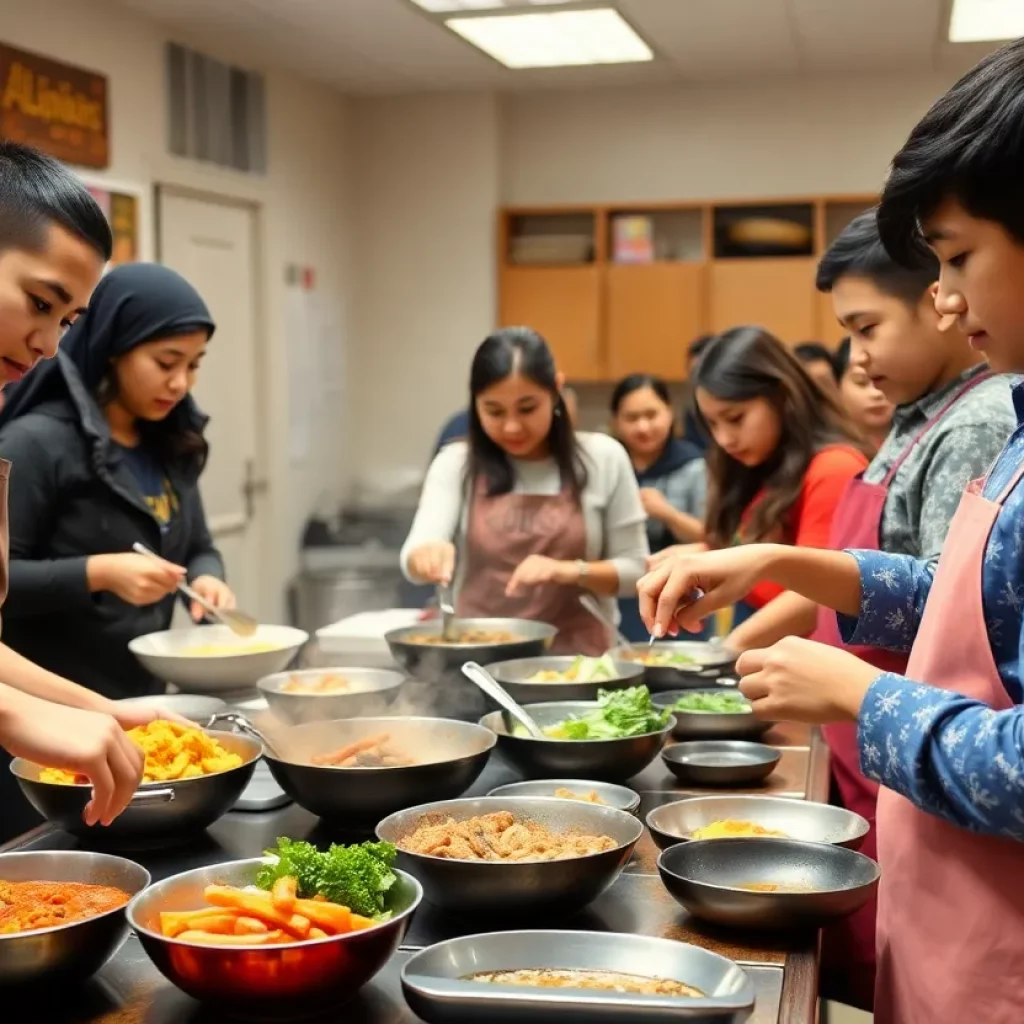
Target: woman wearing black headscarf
107,446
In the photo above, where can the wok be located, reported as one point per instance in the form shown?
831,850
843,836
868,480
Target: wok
710,725
454,755
710,659
159,810
709,879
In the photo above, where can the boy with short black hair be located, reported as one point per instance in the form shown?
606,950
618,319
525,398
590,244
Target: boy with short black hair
54,243
946,739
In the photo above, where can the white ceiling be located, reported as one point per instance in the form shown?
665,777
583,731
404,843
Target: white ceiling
368,47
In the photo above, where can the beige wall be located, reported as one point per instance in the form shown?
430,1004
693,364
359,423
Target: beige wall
304,201
431,171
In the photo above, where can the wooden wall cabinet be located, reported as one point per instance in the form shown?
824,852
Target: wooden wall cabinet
625,289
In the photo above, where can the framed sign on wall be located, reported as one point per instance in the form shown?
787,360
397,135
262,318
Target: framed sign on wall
58,108
129,212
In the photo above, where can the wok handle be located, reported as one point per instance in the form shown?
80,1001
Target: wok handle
153,796
242,724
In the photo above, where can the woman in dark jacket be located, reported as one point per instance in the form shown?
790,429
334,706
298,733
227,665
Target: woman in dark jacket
108,447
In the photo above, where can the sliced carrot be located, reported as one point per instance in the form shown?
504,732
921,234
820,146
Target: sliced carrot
173,922
210,939
331,917
360,923
317,933
257,905
250,926
284,894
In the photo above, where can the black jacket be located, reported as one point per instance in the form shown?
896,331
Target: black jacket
70,497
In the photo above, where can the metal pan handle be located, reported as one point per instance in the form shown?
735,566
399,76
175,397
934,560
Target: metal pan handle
243,725
153,796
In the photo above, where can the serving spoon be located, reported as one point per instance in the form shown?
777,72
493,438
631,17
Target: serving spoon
479,675
237,621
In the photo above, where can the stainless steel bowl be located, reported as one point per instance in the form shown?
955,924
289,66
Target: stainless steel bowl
611,796
803,820
721,762
266,982
69,952
193,706
433,980
710,880
707,725
604,760
710,659
453,755
430,662
514,676
370,691
159,811
517,888
166,656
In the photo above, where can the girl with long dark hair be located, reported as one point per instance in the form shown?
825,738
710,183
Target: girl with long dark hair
670,472
109,447
780,458
527,513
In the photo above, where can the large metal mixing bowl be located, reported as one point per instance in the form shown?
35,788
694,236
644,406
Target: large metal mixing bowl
709,725
712,880
803,820
431,662
515,675
167,656
452,756
69,952
609,795
604,760
436,986
517,888
159,810
266,982
710,659
370,691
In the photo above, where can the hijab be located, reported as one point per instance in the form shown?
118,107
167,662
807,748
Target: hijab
134,304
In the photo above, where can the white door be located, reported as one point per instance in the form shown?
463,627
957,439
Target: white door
213,245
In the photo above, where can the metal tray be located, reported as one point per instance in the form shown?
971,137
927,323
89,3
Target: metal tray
434,986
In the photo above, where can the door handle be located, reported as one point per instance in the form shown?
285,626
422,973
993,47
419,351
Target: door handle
252,488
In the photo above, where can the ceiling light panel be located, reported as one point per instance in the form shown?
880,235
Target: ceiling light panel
455,6
554,38
982,21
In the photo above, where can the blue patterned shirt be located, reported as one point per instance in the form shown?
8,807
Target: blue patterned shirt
949,755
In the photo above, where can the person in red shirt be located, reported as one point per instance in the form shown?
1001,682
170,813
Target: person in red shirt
780,458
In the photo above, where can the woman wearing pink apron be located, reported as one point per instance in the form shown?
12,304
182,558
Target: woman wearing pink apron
848,947
527,514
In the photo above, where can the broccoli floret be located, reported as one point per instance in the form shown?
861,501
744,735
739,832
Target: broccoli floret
358,877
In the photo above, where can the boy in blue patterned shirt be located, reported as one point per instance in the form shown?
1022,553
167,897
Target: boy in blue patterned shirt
946,740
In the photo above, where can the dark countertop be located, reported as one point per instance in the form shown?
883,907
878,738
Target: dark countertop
129,990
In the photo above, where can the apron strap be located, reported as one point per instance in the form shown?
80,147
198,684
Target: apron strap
969,386
1018,473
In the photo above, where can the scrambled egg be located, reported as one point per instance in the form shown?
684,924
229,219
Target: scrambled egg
731,828
229,650
172,752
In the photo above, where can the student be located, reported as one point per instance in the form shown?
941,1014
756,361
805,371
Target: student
109,447
536,512
780,458
670,472
866,407
952,419
819,364
54,242
945,739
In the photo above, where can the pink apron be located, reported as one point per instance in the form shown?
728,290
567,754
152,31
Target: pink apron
501,532
951,903
848,947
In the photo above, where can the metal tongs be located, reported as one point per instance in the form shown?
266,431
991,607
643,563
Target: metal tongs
237,621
